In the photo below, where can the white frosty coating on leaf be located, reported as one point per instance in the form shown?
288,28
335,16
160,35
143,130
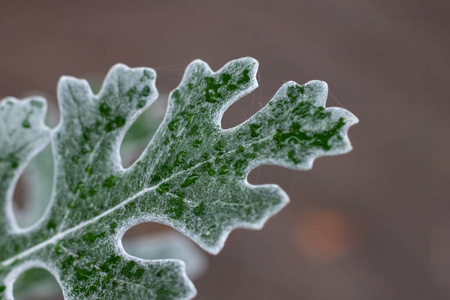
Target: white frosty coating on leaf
95,200
216,118
16,116
284,200
168,245
320,100
148,247
176,265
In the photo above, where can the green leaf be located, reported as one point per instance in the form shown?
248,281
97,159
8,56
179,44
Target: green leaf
192,175
166,245
151,246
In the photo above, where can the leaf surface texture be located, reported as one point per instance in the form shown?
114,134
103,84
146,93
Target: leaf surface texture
191,176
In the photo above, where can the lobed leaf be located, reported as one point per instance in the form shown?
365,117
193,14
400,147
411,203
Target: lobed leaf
192,175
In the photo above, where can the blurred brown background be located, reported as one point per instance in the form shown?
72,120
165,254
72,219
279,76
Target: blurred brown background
371,224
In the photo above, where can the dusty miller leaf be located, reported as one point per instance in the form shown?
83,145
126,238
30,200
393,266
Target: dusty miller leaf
38,184
192,175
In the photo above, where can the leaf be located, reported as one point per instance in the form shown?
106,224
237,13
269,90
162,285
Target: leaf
192,175
38,183
168,245
22,136
150,246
